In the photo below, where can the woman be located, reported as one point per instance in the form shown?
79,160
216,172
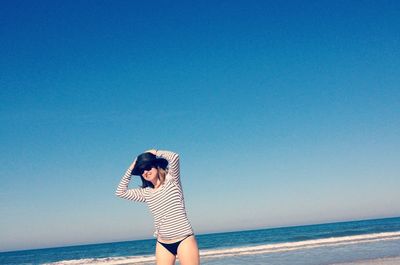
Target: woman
162,191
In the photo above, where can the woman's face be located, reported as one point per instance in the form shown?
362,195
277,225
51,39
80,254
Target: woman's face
151,175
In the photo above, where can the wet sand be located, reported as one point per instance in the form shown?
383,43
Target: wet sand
384,261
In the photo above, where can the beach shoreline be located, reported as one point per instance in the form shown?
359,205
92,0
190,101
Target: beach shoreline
348,243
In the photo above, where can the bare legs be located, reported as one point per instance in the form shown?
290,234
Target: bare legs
188,252
163,256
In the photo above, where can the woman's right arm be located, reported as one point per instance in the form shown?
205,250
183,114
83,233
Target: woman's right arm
129,194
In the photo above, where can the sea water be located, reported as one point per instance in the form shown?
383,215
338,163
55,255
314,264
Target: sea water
310,244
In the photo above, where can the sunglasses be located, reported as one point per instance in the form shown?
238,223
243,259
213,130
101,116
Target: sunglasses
145,168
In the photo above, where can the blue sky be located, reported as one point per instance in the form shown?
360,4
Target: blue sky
284,113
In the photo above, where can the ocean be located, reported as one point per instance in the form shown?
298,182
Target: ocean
320,244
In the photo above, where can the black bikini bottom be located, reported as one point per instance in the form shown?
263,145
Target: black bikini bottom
173,247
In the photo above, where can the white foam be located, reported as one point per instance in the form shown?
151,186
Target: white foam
240,251
306,244
107,261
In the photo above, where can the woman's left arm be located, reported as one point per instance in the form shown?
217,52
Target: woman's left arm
173,161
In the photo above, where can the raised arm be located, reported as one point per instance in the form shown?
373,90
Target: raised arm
129,194
173,162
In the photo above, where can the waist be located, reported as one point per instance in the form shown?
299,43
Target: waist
165,233
170,241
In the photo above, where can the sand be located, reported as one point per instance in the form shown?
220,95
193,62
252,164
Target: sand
384,261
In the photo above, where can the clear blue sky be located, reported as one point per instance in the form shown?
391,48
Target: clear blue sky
284,113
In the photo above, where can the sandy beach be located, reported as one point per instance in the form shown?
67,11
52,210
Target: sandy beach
384,261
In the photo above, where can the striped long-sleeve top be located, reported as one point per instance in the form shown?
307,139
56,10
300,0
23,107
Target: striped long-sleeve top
166,203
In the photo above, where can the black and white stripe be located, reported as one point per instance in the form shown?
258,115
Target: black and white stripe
166,203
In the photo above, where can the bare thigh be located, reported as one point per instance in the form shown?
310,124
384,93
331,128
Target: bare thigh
163,256
188,252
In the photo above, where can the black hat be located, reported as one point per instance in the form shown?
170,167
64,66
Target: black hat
148,159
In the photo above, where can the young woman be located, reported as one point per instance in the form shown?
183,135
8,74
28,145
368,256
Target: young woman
162,191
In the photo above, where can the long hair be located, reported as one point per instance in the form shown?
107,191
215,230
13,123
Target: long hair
161,176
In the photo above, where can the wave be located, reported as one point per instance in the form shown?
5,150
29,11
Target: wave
108,261
247,250
306,244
